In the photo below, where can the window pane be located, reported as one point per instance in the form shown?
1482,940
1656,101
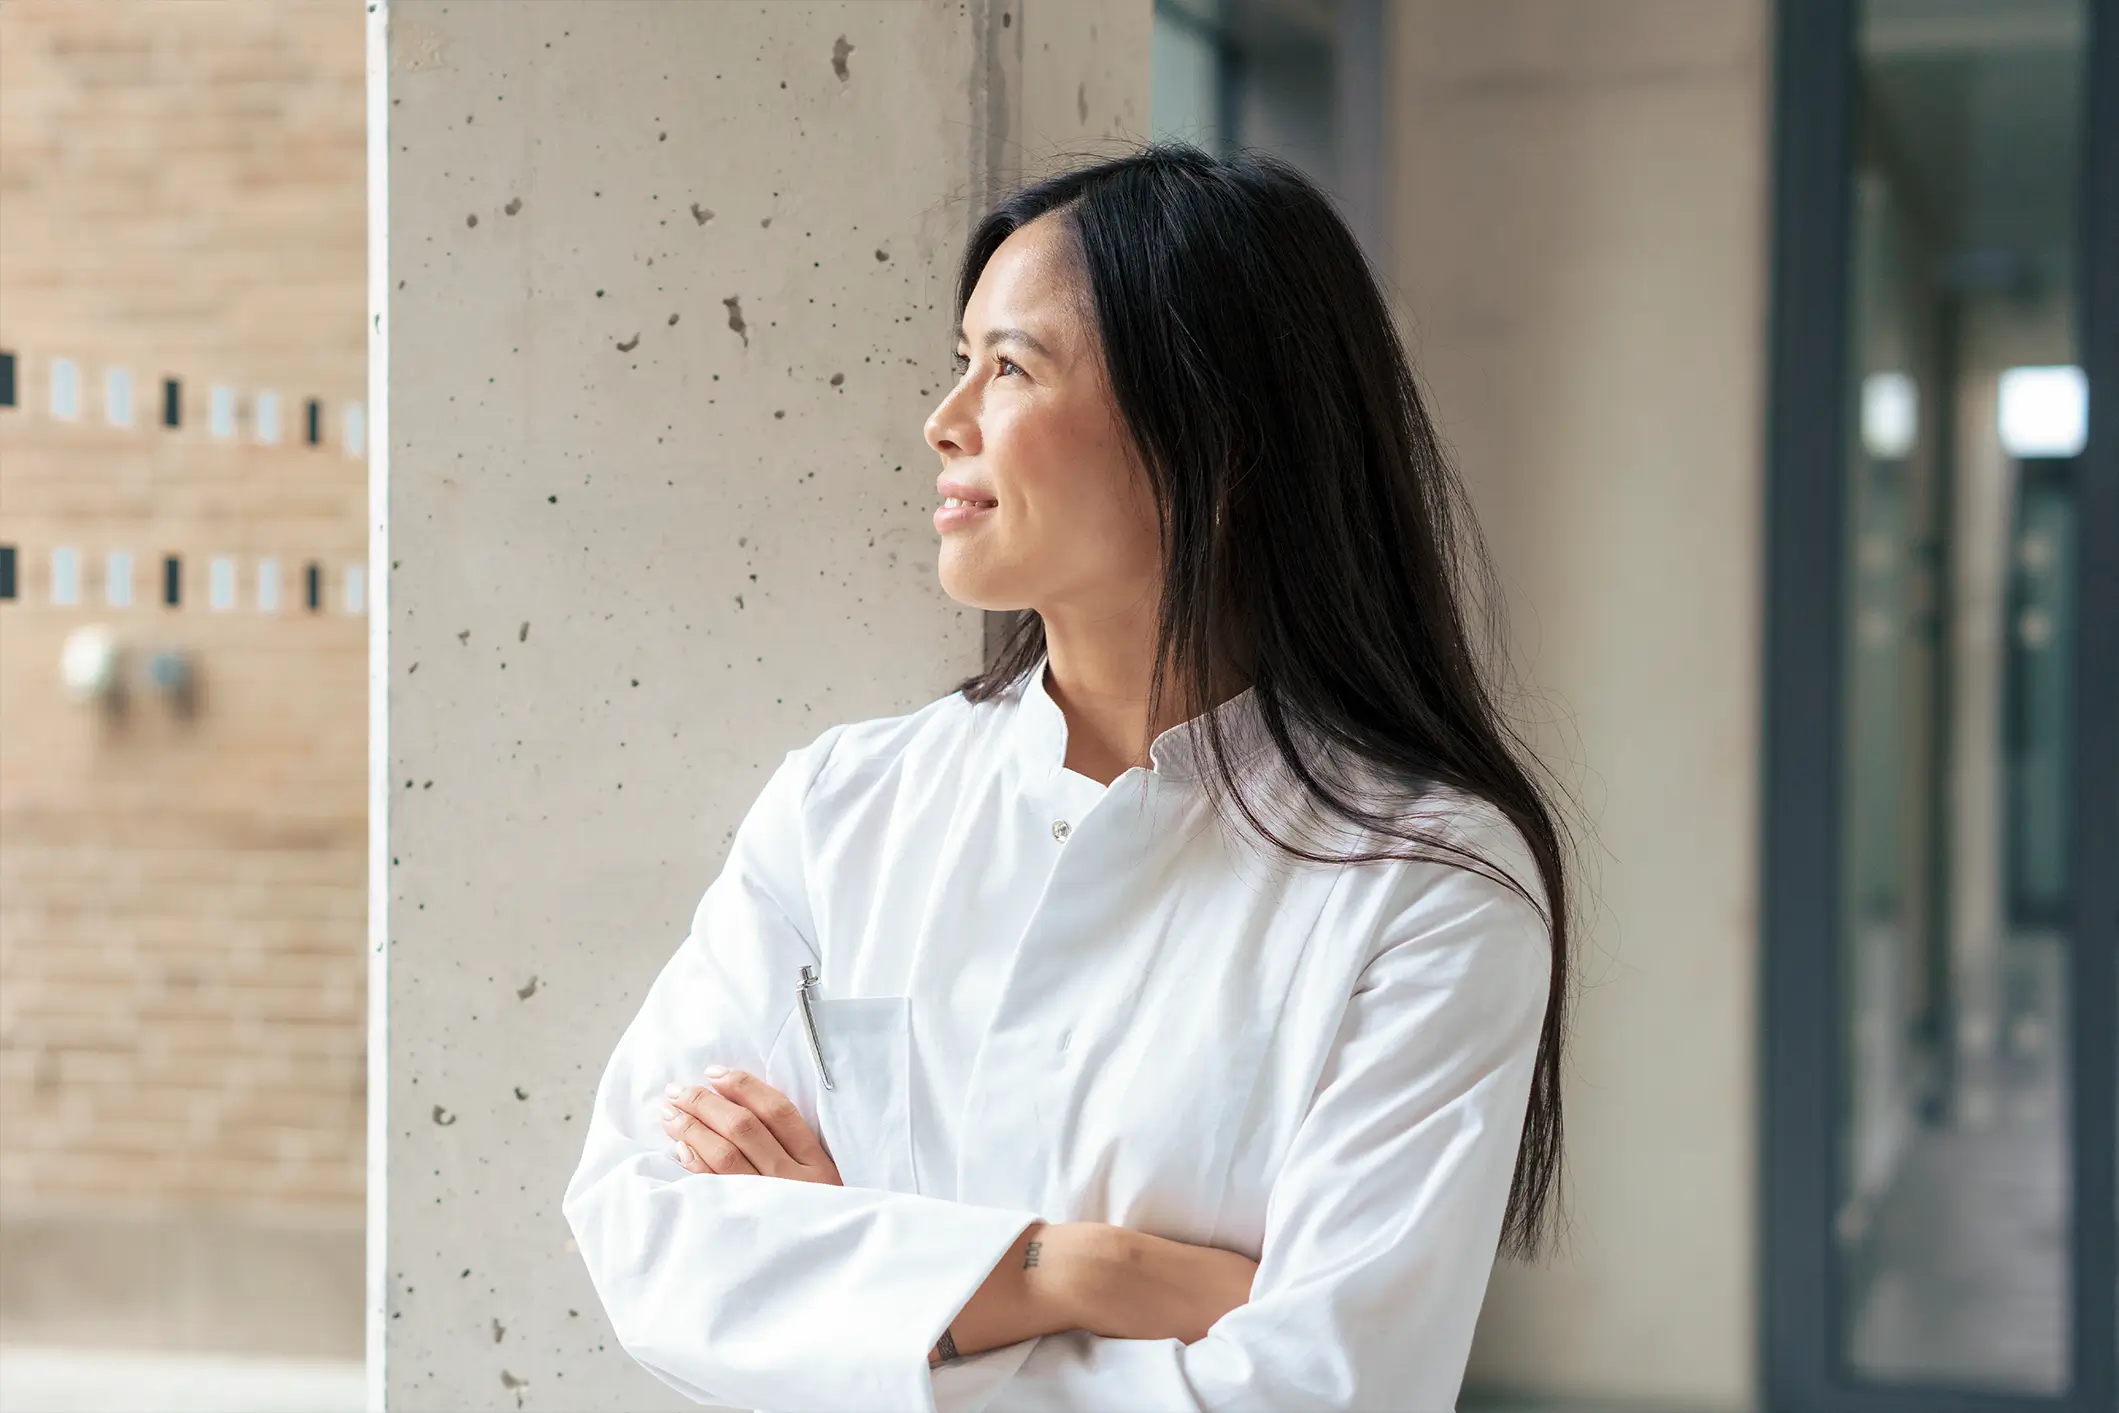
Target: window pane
1185,99
1954,1223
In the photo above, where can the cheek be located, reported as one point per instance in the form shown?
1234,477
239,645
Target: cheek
1074,486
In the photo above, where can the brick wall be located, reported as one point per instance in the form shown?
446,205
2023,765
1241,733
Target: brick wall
182,959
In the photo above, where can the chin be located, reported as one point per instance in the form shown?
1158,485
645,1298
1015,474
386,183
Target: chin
973,589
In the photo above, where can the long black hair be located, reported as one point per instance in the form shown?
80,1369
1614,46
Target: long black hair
1311,528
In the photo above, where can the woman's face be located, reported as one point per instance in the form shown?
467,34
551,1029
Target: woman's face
1065,524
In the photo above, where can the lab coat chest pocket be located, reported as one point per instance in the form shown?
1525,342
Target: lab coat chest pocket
867,1113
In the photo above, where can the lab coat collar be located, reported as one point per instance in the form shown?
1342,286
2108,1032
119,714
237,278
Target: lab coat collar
1179,753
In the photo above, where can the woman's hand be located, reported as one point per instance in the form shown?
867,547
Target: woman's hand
737,1123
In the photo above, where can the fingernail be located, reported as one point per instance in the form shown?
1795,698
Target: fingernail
716,1071
673,1089
681,1153
668,1112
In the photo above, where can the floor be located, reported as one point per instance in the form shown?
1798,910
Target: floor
1970,1283
45,1379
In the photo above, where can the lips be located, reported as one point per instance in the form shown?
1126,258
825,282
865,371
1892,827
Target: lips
962,506
968,496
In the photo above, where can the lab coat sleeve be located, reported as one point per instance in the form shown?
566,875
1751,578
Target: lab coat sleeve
1382,1226
752,1291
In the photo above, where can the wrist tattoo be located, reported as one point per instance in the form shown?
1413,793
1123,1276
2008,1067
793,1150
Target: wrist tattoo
946,1347
1030,1253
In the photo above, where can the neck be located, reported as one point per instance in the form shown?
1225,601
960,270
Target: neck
1098,676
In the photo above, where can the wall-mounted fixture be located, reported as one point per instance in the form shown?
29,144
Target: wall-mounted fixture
170,673
91,665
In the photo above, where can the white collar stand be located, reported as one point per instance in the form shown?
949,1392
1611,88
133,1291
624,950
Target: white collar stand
1178,753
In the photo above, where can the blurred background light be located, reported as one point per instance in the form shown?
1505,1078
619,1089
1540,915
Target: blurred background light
1890,415
2045,412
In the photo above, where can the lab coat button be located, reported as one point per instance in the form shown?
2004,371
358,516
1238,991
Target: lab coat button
1061,829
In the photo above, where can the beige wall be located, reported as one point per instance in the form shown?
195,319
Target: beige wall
635,554
182,978
1580,234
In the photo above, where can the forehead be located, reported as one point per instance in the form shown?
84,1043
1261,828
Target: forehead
1033,280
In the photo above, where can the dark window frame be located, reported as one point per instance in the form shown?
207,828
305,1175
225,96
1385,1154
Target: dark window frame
1803,1051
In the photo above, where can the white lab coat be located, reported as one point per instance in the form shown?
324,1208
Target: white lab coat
1042,997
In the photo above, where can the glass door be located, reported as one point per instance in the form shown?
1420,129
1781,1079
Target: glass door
1940,919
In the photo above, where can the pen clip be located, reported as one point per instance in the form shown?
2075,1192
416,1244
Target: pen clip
809,1023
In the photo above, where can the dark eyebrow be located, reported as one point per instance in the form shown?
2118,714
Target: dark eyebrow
995,336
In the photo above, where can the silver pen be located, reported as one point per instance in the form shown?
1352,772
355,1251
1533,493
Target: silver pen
809,1022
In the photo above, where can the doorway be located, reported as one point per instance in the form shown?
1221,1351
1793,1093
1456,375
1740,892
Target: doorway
1941,709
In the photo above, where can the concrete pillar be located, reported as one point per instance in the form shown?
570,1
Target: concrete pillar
661,297
1580,231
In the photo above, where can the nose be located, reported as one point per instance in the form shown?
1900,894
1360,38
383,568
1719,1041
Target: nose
952,428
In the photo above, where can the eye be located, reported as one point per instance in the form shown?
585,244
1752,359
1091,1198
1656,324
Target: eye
962,363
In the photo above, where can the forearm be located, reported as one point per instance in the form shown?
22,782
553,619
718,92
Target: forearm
1129,1285
1019,1300
1101,1278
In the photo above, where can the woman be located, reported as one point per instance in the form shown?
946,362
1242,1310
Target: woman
1183,999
